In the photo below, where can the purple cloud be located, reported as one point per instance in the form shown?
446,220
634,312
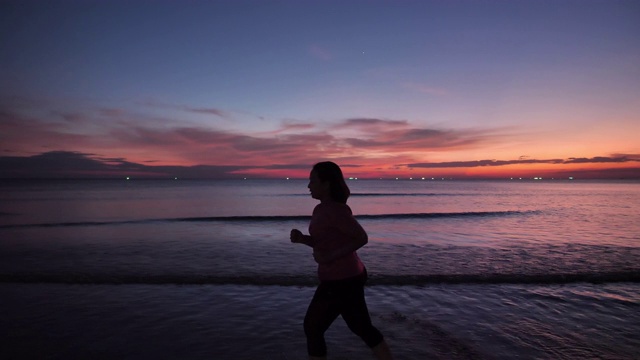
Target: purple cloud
481,163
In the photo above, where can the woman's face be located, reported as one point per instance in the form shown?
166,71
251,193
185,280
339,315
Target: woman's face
319,189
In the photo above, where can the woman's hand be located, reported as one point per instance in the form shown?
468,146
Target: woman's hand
296,236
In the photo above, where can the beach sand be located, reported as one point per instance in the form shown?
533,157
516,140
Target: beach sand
56,321
60,321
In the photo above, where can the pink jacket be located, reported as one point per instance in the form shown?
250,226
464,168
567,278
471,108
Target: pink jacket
331,225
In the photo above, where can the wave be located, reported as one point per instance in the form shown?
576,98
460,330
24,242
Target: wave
391,194
407,194
306,280
279,218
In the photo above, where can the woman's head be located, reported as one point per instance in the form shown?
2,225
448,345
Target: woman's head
330,180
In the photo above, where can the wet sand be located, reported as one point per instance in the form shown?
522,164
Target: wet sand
56,321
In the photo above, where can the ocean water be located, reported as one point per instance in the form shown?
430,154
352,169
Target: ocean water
204,269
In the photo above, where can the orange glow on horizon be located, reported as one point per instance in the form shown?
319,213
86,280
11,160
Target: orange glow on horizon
486,172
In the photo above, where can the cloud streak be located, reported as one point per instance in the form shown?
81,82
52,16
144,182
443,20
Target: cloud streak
209,111
66,164
69,164
482,163
143,140
112,141
399,135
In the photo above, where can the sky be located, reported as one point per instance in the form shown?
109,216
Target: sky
233,89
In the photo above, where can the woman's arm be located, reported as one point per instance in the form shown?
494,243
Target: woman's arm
298,237
354,237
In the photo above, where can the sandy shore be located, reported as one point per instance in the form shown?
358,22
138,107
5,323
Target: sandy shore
56,321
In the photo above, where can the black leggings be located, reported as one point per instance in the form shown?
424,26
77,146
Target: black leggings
333,298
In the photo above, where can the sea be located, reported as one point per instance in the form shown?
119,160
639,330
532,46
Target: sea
194,269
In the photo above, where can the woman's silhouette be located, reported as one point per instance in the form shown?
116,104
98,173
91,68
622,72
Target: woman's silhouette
335,235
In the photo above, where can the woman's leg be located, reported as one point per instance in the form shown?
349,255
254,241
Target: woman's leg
356,314
320,315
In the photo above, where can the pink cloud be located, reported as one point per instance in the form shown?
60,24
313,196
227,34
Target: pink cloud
371,124
520,161
69,164
29,135
211,111
74,118
290,126
210,146
200,110
112,112
398,135
293,142
116,136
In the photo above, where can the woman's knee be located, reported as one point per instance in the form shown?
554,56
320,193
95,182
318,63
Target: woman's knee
367,332
312,328
308,329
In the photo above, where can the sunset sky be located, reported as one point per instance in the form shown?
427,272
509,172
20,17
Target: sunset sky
267,88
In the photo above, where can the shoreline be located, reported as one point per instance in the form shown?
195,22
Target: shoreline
497,321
